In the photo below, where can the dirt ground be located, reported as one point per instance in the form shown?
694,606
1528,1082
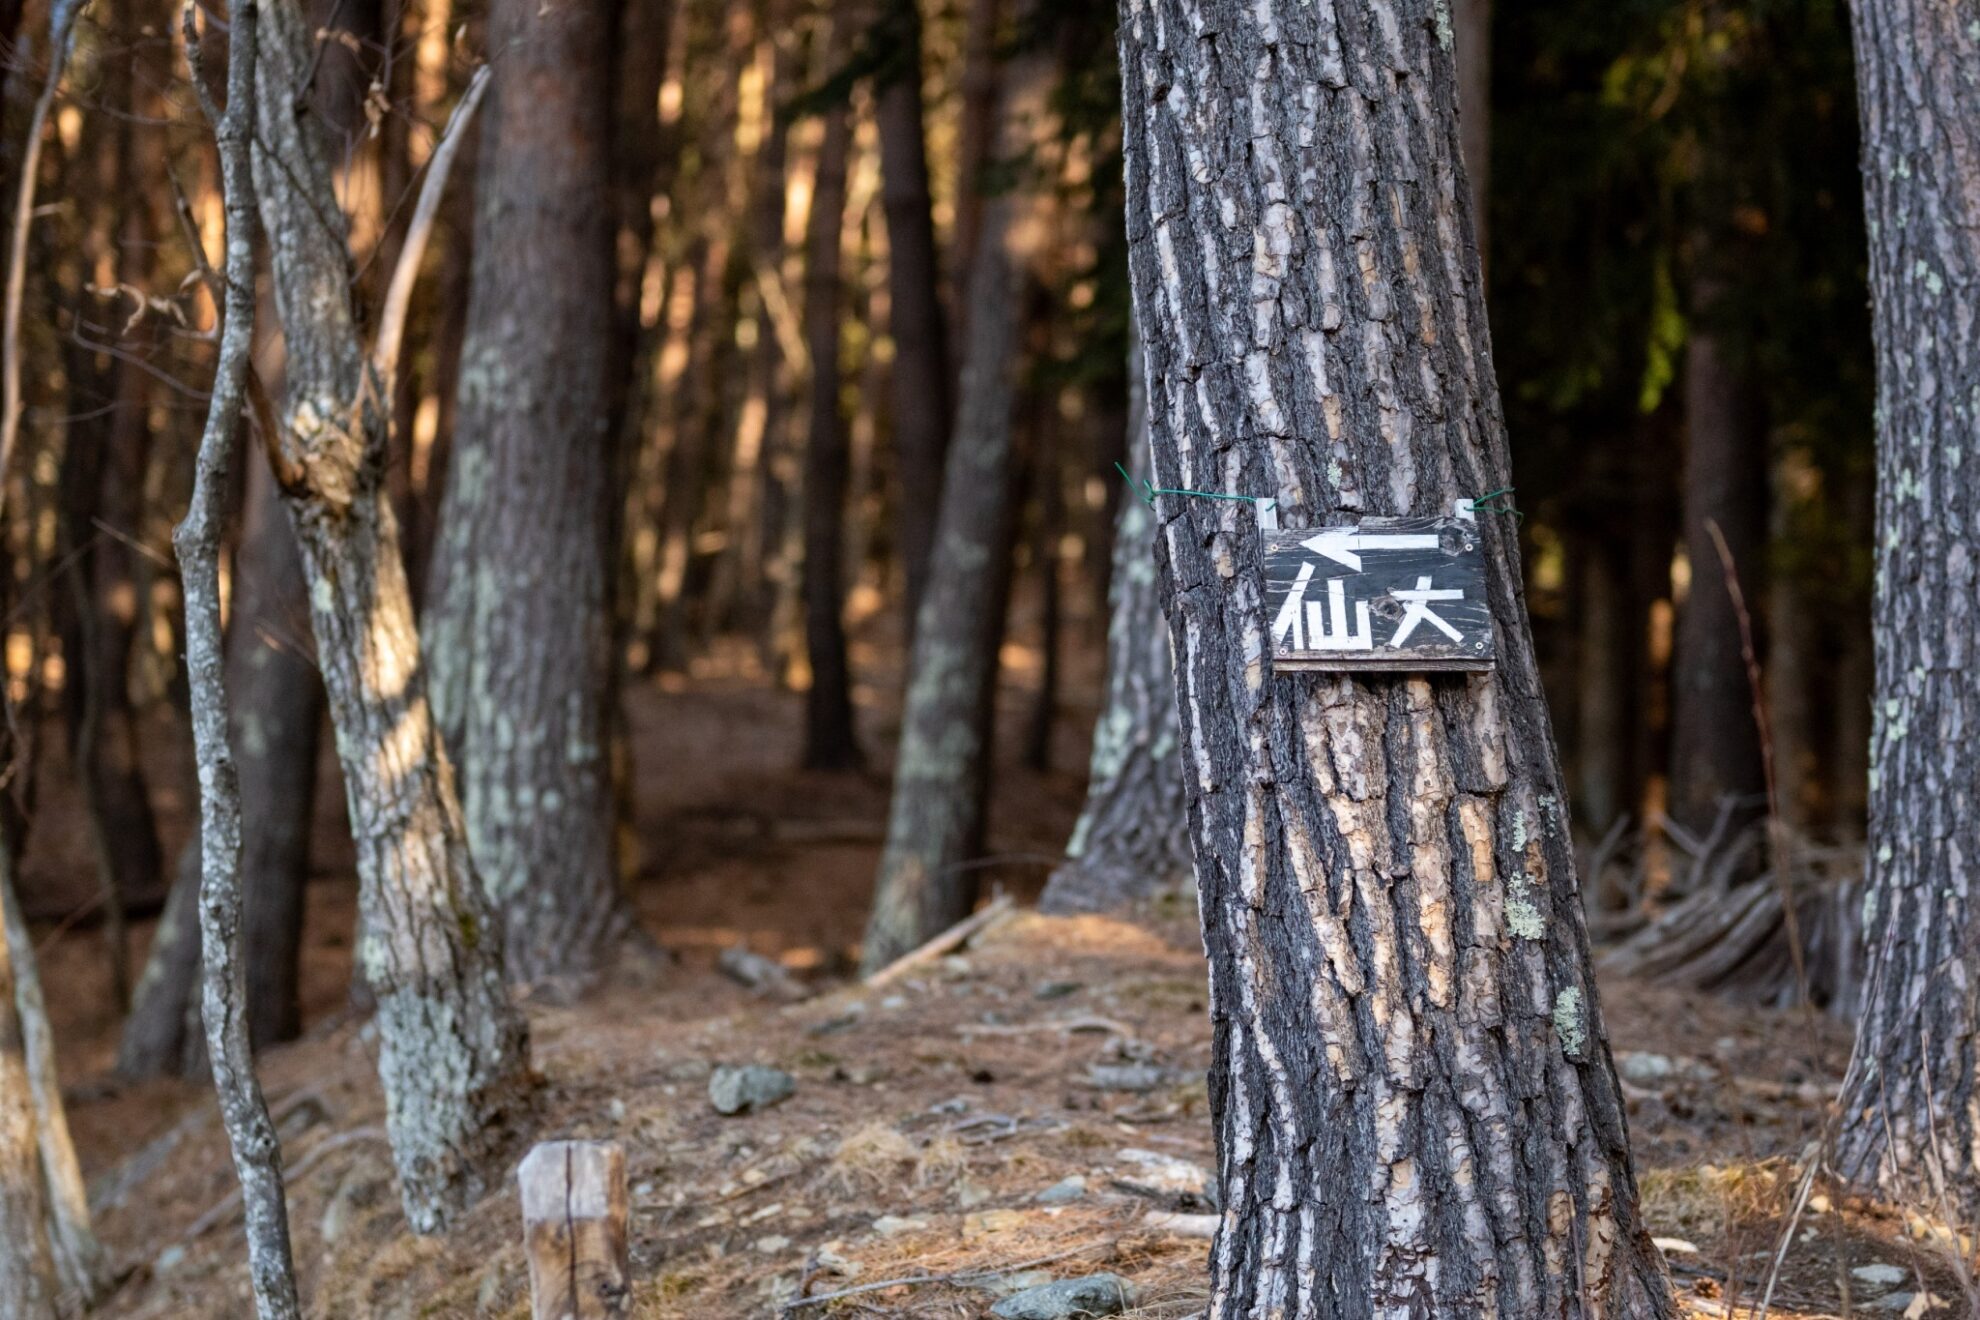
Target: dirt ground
936,1122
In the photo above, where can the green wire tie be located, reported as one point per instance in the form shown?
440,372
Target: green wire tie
1148,490
1498,501
1492,501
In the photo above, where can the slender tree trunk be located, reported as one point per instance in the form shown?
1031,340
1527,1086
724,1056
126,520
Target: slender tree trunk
1132,839
28,1286
80,1267
1600,707
942,770
830,740
1715,750
920,370
1410,1080
275,714
1911,1123
1048,531
1855,675
198,540
975,140
520,604
453,1051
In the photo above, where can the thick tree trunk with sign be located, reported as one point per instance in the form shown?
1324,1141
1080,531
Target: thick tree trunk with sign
1415,1106
520,599
453,1051
1909,1117
941,774
1132,839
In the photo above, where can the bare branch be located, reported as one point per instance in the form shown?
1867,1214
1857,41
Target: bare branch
398,295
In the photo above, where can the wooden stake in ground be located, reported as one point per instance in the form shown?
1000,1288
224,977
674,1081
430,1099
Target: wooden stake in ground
574,1230
1415,1106
257,1150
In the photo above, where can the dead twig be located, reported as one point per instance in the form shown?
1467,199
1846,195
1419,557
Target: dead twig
951,939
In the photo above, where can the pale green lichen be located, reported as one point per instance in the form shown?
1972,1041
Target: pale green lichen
1570,1024
1446,35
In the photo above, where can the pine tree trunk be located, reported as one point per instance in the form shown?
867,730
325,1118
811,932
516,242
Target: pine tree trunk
942,770
830,742
519,610
1910,1117
453,1051
920,370
1600,706
1132,839
1415,1106
1715,748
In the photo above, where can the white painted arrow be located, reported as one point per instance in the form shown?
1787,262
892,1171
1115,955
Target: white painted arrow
1339,544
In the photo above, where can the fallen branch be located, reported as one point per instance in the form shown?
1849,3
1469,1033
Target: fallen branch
223,1210
949,940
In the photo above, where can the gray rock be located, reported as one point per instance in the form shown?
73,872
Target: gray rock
1069,1299
1063,1191
750,1089
1879,1274
1137,1078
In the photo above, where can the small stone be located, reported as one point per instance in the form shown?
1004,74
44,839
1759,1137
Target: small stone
983,1223
749,1089
1137,1078
169,1259
1004,1285
1063,1191
1054,989
1671,1246
772,1244
894,1001
1819,1204
617,1110
895,1225
1069,1299
1645,1069
828,1260
1878,1274
1166,1173
970,1194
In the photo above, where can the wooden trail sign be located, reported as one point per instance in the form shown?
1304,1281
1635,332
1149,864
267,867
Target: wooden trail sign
1386,594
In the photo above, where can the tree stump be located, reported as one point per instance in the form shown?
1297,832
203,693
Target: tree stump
574,1230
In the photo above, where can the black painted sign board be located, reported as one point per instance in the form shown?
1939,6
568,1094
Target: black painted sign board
1387,594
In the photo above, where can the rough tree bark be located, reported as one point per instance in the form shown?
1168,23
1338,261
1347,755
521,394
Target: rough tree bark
1715,749
1132,839
197,540
453,1051
831,740
519,606
1415,1105
28,1287
942,770
1472,23
1910,1120
80,1266
920,371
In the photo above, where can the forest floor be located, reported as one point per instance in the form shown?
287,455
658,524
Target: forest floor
1031,1107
